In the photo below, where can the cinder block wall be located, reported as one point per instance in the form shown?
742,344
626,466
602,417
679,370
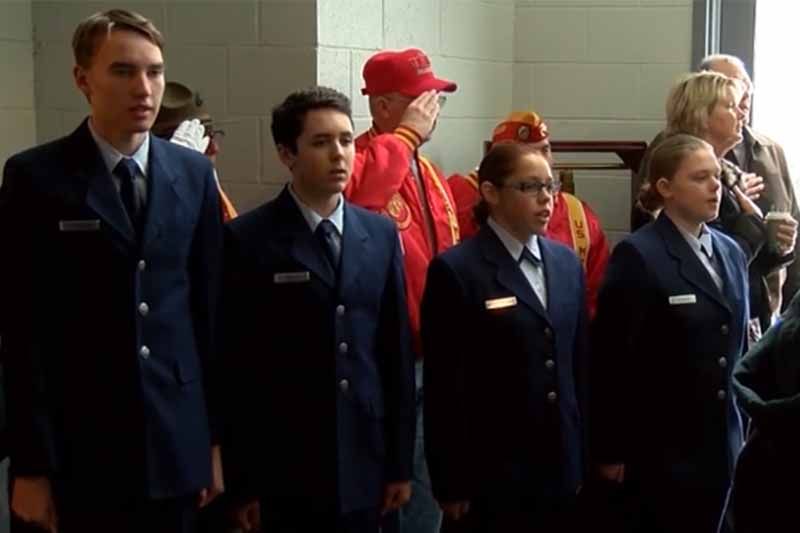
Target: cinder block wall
243,56
17,106
600,70
595,69
469,41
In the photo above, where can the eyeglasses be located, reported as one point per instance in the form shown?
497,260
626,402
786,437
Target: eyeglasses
534,188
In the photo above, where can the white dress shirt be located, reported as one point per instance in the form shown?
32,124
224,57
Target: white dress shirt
112,157
313,219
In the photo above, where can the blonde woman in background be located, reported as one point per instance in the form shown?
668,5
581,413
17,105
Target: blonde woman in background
705,105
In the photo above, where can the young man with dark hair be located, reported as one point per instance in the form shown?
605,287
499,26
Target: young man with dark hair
318,353
110,305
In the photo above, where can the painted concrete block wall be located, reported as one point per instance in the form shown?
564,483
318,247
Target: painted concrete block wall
469,41
17,105
600,70
243,56
593,68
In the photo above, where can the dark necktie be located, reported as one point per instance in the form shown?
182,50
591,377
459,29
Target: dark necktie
127,170
327,235
527,255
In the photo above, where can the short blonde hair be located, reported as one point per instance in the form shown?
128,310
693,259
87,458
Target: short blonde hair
692,99
85,38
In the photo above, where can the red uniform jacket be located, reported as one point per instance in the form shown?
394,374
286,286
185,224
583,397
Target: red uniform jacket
383,181
465,191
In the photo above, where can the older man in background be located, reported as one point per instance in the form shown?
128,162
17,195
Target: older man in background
390,176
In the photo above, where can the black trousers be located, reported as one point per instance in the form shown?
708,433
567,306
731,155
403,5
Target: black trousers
365,521
488,515
101,515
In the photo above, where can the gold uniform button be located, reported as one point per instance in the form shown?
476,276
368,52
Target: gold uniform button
344,385
144,309
340,309
343,348
549,364
721,394
144,352
724,329
723,362
552,396
142,265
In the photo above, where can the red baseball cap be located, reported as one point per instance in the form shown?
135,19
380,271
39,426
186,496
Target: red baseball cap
408,72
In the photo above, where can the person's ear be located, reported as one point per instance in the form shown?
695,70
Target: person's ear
80,75
380,107
489,193
287,157
664,187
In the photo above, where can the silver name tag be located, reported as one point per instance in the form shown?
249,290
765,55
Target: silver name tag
291,277
501,303
79,225
683,299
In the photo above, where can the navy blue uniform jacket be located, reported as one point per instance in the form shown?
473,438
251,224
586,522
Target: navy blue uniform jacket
107,336
504,387
664,342
320,368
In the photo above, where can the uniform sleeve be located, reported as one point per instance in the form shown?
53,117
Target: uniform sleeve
380,168
398,371
581,365
621,310
30,427
206,278
446,422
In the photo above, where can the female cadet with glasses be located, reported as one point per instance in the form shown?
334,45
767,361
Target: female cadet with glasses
670,325
504,397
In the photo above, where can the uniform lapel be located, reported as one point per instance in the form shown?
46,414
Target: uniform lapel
691,269
162,192
303,247
509,274
355,247
558,286
101,194
729,279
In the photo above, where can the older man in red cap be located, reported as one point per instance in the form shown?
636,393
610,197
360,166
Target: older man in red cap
391,176
573,222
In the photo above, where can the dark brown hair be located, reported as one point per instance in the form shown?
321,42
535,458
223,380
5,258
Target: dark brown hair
288,117
88,32
495,167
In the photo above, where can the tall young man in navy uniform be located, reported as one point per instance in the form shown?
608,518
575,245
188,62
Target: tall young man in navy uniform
110,304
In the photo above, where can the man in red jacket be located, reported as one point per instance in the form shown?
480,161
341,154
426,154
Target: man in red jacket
573,222
391,176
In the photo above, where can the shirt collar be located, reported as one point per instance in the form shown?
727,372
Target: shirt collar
112,156
699,244
312,217
512,244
